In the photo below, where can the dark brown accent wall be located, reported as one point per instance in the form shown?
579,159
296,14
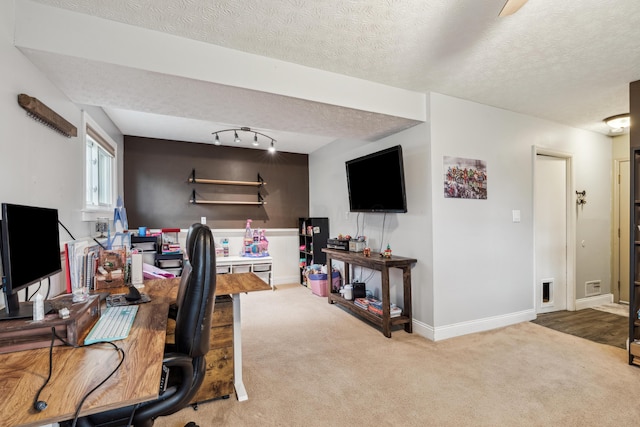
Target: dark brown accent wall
157,191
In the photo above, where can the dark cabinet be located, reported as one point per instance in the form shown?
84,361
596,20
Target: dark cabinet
314,233
634,264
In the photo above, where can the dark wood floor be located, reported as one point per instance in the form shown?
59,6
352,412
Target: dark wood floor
594,325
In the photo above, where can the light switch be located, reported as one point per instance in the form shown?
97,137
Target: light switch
516,215
203,220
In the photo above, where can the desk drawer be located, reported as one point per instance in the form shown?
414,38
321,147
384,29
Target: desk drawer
222,311
218,380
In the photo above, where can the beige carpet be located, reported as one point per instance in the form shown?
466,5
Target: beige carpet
308,363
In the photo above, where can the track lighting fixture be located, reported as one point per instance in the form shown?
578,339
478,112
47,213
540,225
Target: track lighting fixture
237,140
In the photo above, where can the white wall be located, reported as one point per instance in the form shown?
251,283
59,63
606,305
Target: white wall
38,166
483,262
475,266
409,234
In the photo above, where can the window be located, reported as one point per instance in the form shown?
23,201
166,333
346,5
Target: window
100,170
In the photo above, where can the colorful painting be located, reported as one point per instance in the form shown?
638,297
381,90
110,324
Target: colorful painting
465,178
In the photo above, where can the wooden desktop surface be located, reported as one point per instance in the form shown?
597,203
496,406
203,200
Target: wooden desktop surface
77,370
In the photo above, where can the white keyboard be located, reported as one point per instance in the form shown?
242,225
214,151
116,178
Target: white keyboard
114,324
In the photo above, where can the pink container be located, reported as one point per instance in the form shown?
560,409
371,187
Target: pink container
319,283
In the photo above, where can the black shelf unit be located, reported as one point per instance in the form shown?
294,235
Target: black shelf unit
313,235
634,264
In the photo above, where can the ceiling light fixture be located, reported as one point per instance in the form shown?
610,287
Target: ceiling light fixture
236,137
618,123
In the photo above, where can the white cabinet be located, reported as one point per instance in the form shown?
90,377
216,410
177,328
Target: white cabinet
261,266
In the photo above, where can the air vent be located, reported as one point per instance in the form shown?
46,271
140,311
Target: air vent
592,288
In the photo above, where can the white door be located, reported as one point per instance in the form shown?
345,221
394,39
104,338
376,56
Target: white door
550,210
623,224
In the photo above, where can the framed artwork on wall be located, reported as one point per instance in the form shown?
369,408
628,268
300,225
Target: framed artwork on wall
465,178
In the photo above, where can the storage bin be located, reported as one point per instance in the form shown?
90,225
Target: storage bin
319,283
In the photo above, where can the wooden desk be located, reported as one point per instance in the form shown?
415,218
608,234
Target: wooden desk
232,284
77,370
375,262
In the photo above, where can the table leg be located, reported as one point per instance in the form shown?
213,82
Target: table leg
406,283
241,391
386,318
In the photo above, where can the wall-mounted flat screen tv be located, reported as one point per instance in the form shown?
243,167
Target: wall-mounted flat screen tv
376,182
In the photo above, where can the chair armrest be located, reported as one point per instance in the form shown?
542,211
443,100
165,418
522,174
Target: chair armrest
170,402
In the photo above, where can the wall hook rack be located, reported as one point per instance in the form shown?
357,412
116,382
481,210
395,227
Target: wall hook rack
582,197
45,115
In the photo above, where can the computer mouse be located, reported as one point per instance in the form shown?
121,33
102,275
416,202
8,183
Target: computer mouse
133,295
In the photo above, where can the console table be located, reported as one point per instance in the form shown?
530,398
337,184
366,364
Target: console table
375,262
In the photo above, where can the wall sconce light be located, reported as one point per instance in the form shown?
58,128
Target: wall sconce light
618,123
236,137
582,197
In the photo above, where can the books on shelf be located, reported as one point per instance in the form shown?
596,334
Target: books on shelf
374,305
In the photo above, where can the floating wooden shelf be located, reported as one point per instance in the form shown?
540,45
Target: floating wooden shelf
259,183
192,179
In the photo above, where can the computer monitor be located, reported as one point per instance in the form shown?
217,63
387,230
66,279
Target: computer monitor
30,246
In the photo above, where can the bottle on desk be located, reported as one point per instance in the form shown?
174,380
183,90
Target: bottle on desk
225,247
248,238
38,308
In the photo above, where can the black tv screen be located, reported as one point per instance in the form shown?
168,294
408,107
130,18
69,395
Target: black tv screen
376,182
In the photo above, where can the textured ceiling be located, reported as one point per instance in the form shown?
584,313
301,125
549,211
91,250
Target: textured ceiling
568,61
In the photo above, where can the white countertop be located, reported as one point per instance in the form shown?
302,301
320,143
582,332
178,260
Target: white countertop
236,259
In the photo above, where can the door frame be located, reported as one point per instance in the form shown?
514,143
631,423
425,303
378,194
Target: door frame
616,228
571,224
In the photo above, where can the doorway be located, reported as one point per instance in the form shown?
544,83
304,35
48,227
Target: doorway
621,237
554,288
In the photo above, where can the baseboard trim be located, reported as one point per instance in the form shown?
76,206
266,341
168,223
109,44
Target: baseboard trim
285,280
479,325
589,302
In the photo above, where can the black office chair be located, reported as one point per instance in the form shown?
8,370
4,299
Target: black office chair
186,268
186,362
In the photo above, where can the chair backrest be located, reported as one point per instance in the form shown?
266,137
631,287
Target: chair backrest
186,265
193,320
